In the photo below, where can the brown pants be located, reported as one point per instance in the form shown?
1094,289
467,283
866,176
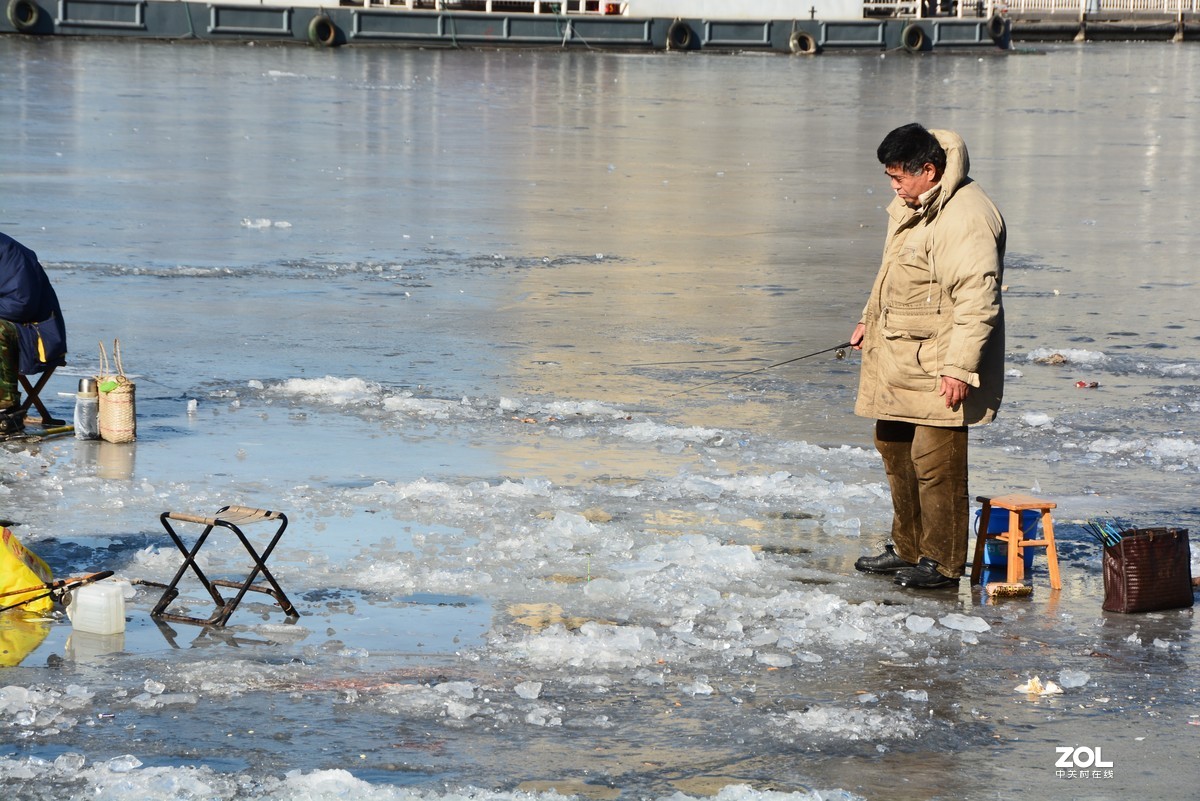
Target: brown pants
10,364
927,469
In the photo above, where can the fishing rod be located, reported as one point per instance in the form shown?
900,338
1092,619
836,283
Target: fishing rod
59,590
760,369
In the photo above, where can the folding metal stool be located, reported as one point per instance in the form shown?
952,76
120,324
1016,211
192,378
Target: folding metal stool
231,518
33,397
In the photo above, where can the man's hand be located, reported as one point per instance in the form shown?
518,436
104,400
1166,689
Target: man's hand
954,391
856,339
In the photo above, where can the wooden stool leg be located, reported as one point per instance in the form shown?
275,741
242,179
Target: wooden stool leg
1051,550
1016,561
981,536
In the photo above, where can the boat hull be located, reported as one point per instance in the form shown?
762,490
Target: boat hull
332,27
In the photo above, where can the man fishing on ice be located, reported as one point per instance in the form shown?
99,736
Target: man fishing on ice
932,342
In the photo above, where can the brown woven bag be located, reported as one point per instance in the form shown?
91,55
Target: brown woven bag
1148,570
118,414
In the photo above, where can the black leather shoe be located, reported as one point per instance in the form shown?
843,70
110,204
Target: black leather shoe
924,576
11,422
886,562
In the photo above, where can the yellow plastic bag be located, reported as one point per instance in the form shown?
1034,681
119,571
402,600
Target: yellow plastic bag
20,569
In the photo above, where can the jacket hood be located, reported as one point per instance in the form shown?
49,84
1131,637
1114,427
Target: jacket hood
958,165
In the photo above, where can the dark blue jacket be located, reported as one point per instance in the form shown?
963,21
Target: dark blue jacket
28,299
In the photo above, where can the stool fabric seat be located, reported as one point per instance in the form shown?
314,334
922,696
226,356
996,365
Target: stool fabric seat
1014,537
231,518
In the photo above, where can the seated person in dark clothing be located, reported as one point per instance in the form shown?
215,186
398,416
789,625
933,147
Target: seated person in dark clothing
33,338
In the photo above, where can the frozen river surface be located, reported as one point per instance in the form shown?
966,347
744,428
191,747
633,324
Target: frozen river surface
439,308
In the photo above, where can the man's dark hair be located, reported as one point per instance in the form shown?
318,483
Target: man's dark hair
911,147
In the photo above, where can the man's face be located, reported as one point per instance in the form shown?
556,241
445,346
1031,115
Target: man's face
910,186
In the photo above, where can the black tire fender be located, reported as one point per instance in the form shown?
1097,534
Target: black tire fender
24,15
914,38
996,27
803,43
322,32
680,36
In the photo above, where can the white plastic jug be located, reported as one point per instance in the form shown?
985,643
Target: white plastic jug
98,608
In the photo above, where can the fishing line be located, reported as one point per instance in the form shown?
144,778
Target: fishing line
695,361
760,369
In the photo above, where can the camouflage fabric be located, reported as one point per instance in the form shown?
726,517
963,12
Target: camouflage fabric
10,354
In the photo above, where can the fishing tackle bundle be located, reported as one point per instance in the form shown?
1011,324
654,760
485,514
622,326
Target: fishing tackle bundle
1107,532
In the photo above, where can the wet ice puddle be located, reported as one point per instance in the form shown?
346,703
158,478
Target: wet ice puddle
664,573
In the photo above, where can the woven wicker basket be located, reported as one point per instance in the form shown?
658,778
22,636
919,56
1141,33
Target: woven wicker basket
118,413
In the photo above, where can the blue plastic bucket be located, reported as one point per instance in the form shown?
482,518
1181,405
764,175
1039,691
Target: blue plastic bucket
995,552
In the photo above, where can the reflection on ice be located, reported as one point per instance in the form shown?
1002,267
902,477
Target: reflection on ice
83,646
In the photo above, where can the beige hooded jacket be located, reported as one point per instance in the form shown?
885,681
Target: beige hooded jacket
935,307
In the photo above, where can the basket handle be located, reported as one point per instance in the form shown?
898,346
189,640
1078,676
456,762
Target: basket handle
117,358
104,370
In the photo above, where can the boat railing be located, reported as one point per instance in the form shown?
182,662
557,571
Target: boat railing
1084,9
895,8
506,6
930,9
871,9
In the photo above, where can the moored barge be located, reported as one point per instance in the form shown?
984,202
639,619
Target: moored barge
800,27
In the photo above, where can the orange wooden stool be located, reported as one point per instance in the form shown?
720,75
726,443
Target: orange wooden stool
1015,537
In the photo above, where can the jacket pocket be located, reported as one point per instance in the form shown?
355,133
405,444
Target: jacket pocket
910,346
